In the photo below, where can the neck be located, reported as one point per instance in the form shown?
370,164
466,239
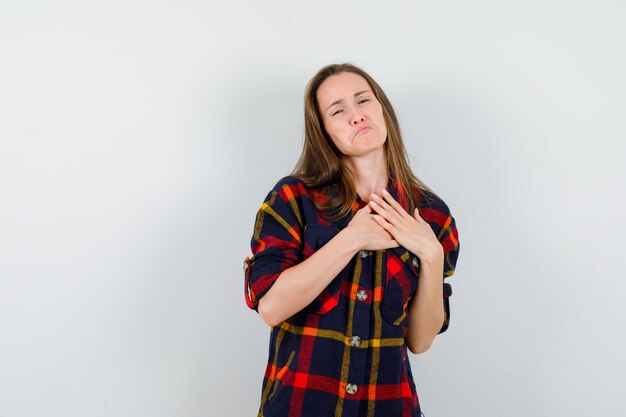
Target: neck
370,174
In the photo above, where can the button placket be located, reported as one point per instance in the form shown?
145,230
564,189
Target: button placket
355,341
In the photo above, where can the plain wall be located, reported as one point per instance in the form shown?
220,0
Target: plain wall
139,138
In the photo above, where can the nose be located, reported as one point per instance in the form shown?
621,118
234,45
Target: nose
357,117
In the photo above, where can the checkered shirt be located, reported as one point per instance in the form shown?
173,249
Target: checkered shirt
344,354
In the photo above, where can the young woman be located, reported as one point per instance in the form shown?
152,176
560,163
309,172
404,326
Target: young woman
349,256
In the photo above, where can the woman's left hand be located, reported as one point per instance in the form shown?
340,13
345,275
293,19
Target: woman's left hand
412,232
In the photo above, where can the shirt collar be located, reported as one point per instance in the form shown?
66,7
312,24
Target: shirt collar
359,203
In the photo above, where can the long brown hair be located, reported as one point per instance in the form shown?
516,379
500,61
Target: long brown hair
320,166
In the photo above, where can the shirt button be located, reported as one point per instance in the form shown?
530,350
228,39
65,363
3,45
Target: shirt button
363,253
351,388
355,341
361,295
415,263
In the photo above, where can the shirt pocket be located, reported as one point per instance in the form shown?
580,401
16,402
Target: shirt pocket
316,236
283,378
400,286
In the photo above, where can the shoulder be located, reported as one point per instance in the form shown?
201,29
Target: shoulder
433,204
287,202
437,213
288,181
289,188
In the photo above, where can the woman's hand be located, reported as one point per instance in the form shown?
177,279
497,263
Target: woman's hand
412,232
368,233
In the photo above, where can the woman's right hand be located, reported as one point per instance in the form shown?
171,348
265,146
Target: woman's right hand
369,234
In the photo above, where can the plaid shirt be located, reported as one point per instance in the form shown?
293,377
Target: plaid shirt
344,354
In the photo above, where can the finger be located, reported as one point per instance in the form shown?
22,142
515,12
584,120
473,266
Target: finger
416,214
376,207
381,202
386,214
380,220
386,225
386,210
393,203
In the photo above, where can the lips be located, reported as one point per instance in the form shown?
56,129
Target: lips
362,129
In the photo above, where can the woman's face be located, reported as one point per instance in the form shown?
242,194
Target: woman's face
351,114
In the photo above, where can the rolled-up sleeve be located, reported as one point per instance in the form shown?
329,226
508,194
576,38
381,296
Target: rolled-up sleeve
275,244
449,238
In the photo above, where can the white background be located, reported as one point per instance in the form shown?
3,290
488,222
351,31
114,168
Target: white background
138,139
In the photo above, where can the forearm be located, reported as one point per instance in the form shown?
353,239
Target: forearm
426,311
299,285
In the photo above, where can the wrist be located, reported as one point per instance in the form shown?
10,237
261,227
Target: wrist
433,257
350,240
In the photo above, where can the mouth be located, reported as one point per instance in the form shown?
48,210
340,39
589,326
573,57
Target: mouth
361,130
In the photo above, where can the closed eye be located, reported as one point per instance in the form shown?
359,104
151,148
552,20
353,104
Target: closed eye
363,100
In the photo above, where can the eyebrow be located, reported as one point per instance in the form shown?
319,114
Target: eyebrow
340,100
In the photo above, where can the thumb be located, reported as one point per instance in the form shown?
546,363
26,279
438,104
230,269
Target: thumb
416,214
